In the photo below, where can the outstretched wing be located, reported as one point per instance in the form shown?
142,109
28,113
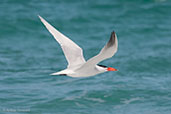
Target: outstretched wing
72,51
107,52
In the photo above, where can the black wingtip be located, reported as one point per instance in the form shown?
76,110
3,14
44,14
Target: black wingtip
113,32
112,39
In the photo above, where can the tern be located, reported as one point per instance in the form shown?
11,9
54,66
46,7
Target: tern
77,66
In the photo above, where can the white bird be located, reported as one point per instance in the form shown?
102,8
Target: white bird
77,66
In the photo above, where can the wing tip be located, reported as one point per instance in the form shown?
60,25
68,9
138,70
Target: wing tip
113,32
40,17
112,39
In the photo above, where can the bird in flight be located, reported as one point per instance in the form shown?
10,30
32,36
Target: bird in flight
77,66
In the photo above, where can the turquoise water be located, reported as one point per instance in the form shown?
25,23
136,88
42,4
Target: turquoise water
28,54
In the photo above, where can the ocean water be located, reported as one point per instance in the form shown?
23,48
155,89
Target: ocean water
28,54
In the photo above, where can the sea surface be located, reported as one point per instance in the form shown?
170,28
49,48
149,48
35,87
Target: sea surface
29,53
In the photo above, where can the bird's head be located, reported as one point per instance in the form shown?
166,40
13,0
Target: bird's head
107,68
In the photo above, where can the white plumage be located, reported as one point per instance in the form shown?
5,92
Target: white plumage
77,66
